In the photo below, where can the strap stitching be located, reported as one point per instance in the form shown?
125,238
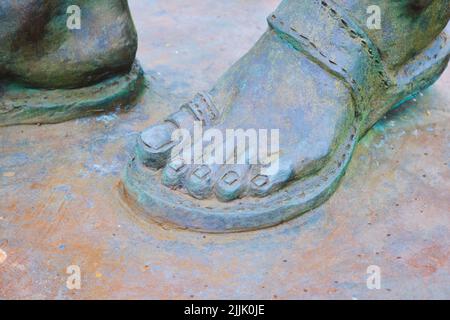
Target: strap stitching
363,41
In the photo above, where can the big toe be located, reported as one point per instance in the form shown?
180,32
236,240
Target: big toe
155,144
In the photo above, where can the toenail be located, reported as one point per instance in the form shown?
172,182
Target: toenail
155,139
154,142
202,172
157,143
260,180
176,164
230,178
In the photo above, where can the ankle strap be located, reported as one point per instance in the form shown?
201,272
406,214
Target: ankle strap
325,34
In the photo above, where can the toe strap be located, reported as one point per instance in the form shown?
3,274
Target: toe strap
202,108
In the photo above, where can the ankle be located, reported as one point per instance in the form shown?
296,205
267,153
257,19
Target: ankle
407,26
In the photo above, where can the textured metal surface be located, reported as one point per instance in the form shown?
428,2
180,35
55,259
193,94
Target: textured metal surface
60,204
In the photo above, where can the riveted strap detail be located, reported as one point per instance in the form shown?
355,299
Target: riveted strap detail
202,108
329,37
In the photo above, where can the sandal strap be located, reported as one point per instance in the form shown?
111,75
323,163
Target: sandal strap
329,37
202,108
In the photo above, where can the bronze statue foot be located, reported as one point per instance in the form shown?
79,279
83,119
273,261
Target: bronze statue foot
316,76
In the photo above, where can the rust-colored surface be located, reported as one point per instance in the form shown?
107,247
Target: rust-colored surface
60,204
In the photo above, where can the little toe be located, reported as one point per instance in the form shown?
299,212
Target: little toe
263,183
232,182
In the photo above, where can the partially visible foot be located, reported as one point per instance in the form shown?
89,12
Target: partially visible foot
52,72
40,51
